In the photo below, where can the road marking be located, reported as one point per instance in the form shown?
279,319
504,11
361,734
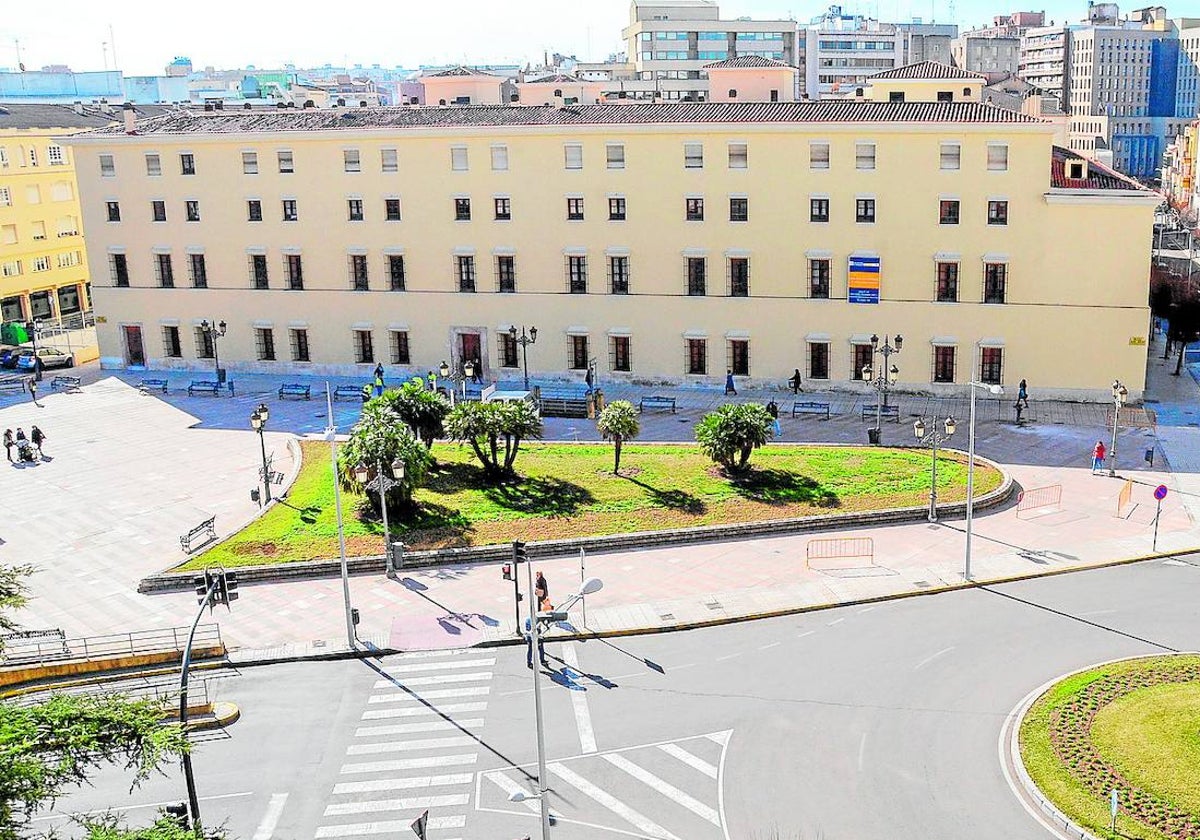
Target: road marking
434,654
410,763
583,718
721,738
439,679
437,666
806,633
668,790
932,657
376,785
415,711
690,760
510,787
768,647
835,621
137,807
723,658
607,800
406,804
862,749
271,819
865,610
405,746
410,728
437,694
387,827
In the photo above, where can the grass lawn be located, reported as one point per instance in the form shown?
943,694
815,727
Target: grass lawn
568,490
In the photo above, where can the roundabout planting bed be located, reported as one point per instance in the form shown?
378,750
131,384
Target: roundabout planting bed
1133,726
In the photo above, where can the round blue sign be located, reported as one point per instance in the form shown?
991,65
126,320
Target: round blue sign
1160,492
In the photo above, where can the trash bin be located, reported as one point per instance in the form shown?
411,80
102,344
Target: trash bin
1150,456
873,436
221,375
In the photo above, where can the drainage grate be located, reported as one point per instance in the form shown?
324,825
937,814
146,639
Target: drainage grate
714,605
921,584
666,616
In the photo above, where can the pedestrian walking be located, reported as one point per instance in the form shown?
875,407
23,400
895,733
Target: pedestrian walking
379,379
773,410
1023,394
33,391
432,377
24,451
477,372
38,437
794,382
1098,453
542,590
8,444
729,387
529,648
590,378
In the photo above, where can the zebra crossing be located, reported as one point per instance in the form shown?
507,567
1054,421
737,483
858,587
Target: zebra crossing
415,749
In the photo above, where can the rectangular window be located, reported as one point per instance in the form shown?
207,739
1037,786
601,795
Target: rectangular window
391,209
997,213
943,364
697,356
948,212
693,156
264,343
697,275
171,346
41,264
947,282
818,155
153,165
499,158
577,275
618,275
619,357
864,210
991,365
158,211
614,154
187,164
818,209
254,210
574,209
739,357
462,209
198,270
364,347
354,209
287,165
192,210
358,273
396,281
400,353
205,346
739,209
466,273
739,277
503,208
294,266
945,96
819,273
458,158
694,209
573,156
864,155
389,161
5,197
578,356
108,168
351,161
818,360
995,282
506,273
951,156
290,212
997,157
508,350
249,163
118,267
739,157
299,342
163,271
616,209
863,354
259,278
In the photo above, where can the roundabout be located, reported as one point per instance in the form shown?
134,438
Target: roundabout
1132,726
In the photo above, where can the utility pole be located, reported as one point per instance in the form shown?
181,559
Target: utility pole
536,641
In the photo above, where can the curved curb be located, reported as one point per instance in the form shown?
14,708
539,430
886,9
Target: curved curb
223,714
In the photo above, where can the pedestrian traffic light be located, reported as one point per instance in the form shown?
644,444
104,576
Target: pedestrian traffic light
553,616
179,813
506,571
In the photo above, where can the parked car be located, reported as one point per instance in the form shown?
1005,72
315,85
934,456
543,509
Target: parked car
8,355
50,357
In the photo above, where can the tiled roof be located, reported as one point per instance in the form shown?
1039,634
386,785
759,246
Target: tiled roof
751,61
932,70
557,78
53,116
1099,176
498,116
456,71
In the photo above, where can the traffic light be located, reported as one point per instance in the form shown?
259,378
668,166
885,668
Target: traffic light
227,587
179,813
203,583
520,553
507,571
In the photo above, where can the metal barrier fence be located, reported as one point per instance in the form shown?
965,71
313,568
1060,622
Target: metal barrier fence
164,691
33,647
1039,498
831,552
1124,496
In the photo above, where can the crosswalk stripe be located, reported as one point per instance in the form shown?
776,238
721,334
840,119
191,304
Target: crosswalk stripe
510,787
387,827
404,784
422,763
437,679
409,728
436,694
406,746
583,718
643,824
690,760
405,804
431,654
434,666
666,789
449,708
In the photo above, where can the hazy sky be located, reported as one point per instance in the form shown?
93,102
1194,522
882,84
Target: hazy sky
224,33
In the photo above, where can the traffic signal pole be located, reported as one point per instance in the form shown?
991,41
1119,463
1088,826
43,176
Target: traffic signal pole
213,581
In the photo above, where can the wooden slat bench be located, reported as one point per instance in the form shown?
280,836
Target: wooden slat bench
563,402
153,384
202,534
295,389
888,412
65,383
347,392
656,402
209,386
810,407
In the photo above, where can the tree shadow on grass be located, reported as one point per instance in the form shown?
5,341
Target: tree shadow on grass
780,487
671,499
434,524
542,496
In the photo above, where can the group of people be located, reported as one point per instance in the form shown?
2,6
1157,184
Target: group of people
29,447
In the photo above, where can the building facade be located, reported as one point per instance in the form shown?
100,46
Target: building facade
664,242
995,56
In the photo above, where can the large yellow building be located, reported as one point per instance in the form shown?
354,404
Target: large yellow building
664,242
43,266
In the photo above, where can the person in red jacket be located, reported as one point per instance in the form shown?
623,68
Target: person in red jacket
1098,454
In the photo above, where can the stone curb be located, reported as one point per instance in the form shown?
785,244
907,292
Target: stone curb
171,581
99,677
223,714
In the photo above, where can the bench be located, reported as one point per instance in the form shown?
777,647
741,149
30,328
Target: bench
347,392
65,383
562,402
12,383
208,386
202,534
295,389
157,384
888,412
23,646
799,408
660,403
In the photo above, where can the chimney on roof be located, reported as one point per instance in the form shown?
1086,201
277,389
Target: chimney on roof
130,118
208,106
77,107
105,107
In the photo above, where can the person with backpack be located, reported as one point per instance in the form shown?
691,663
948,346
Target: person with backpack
8,443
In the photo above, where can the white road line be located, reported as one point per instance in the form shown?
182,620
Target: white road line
690,760
668,790
835,621
437,694
410,763
862,749
510,787
376,785
387,827
68,816
728,656
865,610
416,711
439,679
271,819
604,798
432,654
932,657
721,738
771,645
805,633
410,728
407,803
583,718
437,666
406,746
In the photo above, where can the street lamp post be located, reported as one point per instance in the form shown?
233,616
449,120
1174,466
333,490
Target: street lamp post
382,484
258,422
1119,394
991,389
889,374
215,331
933,438
455,376
524,340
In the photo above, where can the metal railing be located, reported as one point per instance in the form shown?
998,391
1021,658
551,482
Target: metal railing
33,647
165,692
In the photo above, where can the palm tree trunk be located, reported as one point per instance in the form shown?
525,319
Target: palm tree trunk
1179,362
617,454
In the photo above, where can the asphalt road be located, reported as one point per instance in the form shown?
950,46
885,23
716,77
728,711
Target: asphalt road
858,722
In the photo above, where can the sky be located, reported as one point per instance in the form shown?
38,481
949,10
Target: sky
147,34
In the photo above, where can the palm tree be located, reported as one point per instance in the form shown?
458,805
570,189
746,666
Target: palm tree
380,439
729,434
483,425
618,422
420,409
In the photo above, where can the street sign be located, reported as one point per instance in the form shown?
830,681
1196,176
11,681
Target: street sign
422,821
1160,492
